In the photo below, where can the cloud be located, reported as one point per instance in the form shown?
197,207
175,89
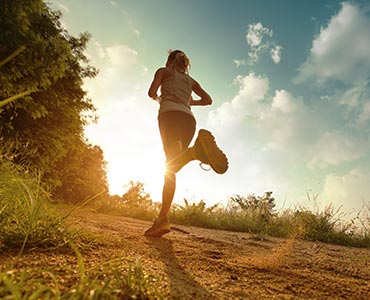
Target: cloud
363,118
277,142
113,3
341,50
120,73
259,39
239,62
266,136
351,191
284,101
335,148
256,33
276,54
278,121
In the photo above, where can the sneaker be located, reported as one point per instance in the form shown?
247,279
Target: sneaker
206,150
160,227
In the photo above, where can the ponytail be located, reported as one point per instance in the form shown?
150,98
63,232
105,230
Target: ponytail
179,61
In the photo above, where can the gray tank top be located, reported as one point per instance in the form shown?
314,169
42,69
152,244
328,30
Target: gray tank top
175,93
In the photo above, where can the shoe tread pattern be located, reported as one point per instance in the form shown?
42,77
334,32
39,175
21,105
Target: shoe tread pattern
216,158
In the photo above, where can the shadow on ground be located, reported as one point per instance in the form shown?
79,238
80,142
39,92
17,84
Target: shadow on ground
177,274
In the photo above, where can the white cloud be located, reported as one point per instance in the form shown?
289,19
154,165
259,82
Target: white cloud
277,142
341,50
363,118
113,3
252,88
284,101
120,73
351,96
239,62
255,38
334,148
256,33
265,137
351,191
280,123
259,39
355,101
276,54
230,119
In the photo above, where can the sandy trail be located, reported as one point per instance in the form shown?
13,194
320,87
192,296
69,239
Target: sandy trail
211,264
194,263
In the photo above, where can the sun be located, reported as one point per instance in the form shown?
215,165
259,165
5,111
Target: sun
136,167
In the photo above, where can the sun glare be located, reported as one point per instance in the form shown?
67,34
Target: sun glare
140,167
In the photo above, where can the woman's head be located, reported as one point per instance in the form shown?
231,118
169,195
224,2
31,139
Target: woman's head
178,60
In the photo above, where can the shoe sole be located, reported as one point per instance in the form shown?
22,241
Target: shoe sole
217,159
158,232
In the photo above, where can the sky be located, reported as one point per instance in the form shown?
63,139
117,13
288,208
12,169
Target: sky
290,82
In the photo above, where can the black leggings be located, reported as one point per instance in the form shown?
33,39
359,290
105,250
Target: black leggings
176,126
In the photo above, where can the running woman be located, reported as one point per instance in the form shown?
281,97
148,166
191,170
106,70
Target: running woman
177,128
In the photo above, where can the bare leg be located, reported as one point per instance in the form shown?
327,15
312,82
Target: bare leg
169,187
181,159
168,193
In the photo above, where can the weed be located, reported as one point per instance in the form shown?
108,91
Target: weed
115,279
256,215
26,218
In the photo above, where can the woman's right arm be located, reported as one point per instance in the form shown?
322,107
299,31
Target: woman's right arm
205,98
157,81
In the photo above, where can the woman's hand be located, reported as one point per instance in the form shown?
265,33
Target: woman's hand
205,98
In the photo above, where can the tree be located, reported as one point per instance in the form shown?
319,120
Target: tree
40,60
83,174
135,196
263,206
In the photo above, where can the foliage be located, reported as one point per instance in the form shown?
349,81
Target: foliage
83,174
26,219
265,203
135,202
257,215
326,227
261,207
195,214
135,196
42,70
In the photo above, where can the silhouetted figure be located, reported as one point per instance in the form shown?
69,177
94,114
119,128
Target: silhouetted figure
177,127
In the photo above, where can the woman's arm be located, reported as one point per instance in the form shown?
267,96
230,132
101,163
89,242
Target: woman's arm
157,81
205,98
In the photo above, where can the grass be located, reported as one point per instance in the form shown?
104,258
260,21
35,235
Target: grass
257,215
27,219
114,279
325,226
29,223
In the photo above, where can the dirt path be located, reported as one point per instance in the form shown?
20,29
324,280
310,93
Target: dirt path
211,264
194,263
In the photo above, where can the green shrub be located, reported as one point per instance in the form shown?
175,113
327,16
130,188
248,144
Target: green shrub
257,215
195,214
